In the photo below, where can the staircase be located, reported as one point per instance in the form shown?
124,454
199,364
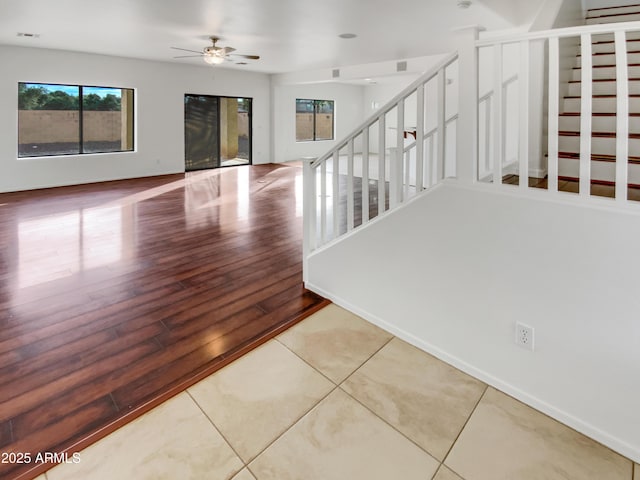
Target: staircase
604,102
417,141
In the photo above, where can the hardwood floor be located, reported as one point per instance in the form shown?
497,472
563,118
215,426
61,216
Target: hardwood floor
116,296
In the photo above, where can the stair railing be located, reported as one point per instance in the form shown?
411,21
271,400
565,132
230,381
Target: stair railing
384,162
377,167
543,51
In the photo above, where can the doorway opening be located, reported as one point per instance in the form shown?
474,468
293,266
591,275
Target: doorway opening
217,131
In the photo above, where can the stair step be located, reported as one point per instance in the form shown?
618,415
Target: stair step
606,183
613,18
601,103
603,86
608,59
609,46
609,37
606,72
603,168
597,134
600,157
596,12
601,143
603,122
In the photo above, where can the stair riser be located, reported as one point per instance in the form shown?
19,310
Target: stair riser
600,105
599,124
609,37
606,72
613,11
609,59
605,171
599,145
632,46
627,17
604,88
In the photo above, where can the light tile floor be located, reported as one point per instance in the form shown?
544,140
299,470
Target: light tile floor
337,398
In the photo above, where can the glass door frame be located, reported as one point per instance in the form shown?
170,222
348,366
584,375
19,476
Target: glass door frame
220,99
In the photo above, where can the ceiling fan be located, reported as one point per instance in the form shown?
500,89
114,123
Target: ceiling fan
214,55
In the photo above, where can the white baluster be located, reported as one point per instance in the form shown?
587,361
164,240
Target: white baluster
497,124
350,195
336,194
309,213
420,139
586,91
431,165
365,175
407,174
381,165
523,112
395,172
488,112
622,117
554,94
323,202
442,84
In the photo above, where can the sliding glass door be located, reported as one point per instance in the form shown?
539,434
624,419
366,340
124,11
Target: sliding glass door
217,131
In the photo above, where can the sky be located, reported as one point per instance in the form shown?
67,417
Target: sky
73,89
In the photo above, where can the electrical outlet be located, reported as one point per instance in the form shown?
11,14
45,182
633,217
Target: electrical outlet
524,336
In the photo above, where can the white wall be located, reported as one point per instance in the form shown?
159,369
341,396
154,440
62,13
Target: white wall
348,115
159,121
455,283
376,96
558,14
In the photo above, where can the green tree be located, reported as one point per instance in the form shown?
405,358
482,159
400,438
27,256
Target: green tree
60,100
91,102
110,103
30,98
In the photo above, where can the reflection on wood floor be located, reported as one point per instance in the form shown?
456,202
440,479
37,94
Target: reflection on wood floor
115,296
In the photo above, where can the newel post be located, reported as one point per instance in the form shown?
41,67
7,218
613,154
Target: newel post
467,124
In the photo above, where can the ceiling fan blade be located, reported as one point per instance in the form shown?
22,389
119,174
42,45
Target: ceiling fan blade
189,56
228,50
186,50
250,57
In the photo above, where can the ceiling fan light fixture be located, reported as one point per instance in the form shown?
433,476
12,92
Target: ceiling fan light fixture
213,59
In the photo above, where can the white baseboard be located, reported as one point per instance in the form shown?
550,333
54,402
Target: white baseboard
566,418
537,172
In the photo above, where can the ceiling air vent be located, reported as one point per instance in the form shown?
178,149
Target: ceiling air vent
335,73
401,67
28,35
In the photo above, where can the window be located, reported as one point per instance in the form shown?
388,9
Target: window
314,120
73,119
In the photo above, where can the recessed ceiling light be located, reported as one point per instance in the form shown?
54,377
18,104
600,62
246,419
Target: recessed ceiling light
347,35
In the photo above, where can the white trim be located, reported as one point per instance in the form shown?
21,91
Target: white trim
561,33
560,415
538,173
605,204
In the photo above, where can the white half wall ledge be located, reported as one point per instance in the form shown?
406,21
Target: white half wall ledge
455,282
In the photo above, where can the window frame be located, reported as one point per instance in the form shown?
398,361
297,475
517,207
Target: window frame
316,103
81,120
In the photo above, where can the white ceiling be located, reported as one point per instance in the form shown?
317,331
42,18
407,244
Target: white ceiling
289,35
